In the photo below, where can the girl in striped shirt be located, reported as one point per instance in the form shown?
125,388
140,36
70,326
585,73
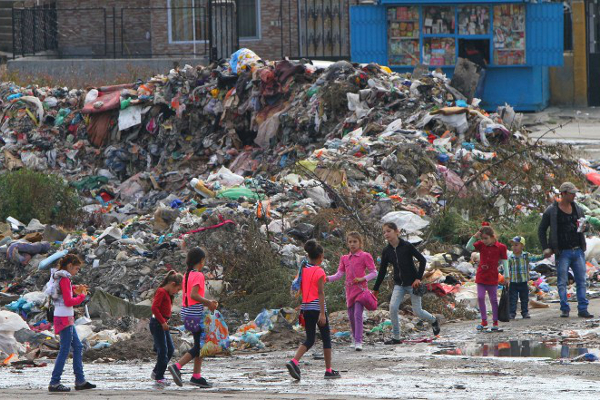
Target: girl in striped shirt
192,313
314,310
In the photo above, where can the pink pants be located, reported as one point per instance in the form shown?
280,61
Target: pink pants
492,291
355,315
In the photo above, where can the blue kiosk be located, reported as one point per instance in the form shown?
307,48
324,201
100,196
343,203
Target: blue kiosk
517,40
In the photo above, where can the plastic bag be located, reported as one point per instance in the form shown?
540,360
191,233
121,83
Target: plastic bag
405,220
504,306
91,96
243,59
316,192
216,335
237,192
226,178
11,322
264,320
466,268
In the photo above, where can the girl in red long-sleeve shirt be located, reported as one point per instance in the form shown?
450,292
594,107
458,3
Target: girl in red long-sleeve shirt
64,324
161,312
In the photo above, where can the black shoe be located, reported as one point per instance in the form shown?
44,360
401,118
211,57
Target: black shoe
436,327
60,388
564,314
393,341
513,316
584,314
200,382
85,386
332,375
526,315
176,374
293,369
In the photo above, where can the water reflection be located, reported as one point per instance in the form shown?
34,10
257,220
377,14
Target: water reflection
518,348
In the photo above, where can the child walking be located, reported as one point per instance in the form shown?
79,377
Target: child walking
407,279
62,291
192,313
491,253
518,277
354,265
314,310
159,327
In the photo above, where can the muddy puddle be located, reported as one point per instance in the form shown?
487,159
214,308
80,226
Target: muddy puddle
518,348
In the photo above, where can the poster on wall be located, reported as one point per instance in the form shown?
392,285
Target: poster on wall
509,34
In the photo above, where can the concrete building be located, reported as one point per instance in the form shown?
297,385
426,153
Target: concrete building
577,82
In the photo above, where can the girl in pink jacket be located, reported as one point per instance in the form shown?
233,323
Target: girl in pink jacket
354,265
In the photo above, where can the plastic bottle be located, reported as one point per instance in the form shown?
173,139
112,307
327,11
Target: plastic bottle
202,190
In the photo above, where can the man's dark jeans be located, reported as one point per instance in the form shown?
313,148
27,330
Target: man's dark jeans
163,345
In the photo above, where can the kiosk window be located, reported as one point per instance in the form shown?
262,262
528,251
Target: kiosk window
509,34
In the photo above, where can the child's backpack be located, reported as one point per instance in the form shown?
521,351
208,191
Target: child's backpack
297,282
52,288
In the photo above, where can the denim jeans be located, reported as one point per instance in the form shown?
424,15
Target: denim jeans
68,340
576,260
518,290
397,297
163,345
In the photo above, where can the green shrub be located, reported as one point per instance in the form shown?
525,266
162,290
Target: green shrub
526,227
27,194
253,269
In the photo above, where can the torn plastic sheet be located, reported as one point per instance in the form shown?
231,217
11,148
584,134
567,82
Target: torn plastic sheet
130,117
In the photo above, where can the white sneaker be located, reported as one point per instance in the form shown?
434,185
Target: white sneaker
358,347
161,384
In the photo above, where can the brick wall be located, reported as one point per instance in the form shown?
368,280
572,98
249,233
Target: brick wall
146,31
85,27
269,46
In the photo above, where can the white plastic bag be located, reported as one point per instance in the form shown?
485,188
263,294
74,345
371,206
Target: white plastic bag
226,178
316,192
11,322
91,96
405,220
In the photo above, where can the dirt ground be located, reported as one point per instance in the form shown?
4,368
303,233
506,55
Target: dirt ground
407,371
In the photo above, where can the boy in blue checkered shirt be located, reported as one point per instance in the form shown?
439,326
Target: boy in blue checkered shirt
518,276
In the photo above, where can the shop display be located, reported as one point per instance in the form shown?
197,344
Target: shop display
438,20
403,52
474,20
509,34
403,35
439,51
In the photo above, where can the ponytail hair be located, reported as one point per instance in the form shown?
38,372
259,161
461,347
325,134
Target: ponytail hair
313,249
69,259
194,257
172,276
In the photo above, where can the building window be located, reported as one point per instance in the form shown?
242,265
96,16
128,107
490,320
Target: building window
187,20
187,17
249,15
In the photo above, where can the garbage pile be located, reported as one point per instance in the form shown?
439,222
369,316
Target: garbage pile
201,153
